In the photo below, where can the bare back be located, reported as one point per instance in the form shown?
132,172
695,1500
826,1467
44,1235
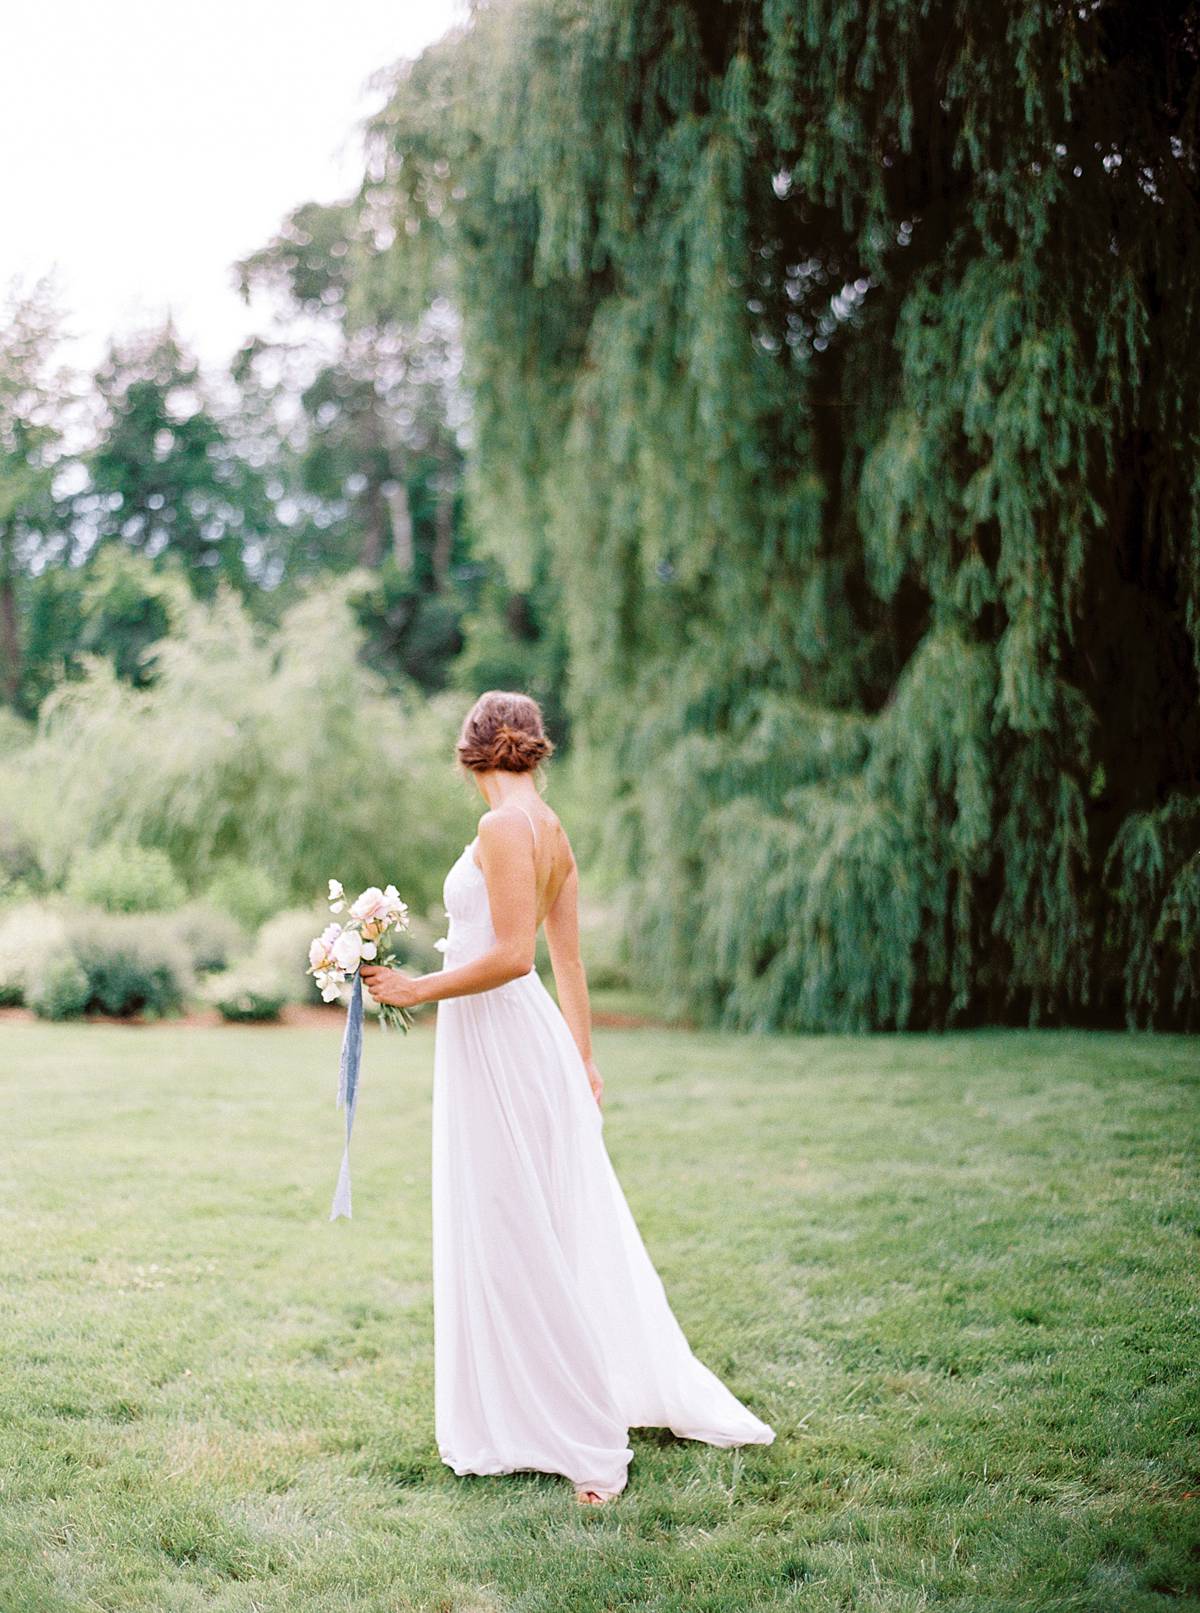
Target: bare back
519,908
553,859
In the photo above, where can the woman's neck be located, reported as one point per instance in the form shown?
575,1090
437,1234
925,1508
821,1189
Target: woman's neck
501,788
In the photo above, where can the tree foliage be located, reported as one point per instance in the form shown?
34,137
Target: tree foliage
166,478
372,464
269,750
32,406
838,364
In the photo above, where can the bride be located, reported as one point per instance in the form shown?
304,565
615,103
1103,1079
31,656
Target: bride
553,1335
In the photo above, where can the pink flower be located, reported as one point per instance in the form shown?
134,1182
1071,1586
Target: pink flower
372,904
376,911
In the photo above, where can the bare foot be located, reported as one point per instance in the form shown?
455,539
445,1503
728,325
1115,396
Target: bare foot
593,1498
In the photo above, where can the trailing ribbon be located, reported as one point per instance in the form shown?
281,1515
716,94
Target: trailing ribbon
347,1096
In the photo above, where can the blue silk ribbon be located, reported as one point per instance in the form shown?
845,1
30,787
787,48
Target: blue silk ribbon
347,1097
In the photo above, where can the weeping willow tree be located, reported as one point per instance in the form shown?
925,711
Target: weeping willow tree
839,362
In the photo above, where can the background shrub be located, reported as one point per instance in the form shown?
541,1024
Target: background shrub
134,963
31,934
246,890
279,957
21,872
242,998
62,989
213,938
124,878
15,733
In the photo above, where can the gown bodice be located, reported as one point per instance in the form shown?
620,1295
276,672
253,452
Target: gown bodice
465,894
471,931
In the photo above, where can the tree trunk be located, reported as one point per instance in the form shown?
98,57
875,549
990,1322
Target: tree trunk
374,528
443,540
402,526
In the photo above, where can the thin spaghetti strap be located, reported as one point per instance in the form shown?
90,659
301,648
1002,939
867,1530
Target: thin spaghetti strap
529,820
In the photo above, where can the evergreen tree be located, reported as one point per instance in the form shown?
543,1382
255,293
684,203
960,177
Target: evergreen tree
166,477
117,605
841,362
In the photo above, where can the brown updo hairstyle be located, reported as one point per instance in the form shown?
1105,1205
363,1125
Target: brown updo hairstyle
503,732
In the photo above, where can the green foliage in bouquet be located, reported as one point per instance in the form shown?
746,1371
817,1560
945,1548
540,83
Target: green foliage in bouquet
837,365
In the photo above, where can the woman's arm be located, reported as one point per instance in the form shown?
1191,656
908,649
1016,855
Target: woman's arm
506,856
562,936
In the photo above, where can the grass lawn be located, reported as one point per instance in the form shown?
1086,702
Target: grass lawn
958,1275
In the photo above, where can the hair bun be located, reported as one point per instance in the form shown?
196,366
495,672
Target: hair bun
515,751
503,732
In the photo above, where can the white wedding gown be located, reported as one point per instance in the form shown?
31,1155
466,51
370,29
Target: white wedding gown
553,1335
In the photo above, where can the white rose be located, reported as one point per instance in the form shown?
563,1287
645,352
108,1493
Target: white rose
347,950
369,951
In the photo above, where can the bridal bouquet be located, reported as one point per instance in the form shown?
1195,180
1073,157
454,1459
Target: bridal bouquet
336,953
333,958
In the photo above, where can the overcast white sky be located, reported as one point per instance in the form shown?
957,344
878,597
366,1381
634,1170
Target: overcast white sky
146,144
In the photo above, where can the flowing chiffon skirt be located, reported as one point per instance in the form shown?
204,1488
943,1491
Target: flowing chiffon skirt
553,1332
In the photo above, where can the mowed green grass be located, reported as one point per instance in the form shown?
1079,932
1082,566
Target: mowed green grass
958,1276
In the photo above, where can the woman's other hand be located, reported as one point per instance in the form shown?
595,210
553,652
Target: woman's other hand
595,1081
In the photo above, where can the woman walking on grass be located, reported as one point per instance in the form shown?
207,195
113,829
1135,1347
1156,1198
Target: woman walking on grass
553,1335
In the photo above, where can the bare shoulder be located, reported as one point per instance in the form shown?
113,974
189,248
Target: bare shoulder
565,850
500,830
